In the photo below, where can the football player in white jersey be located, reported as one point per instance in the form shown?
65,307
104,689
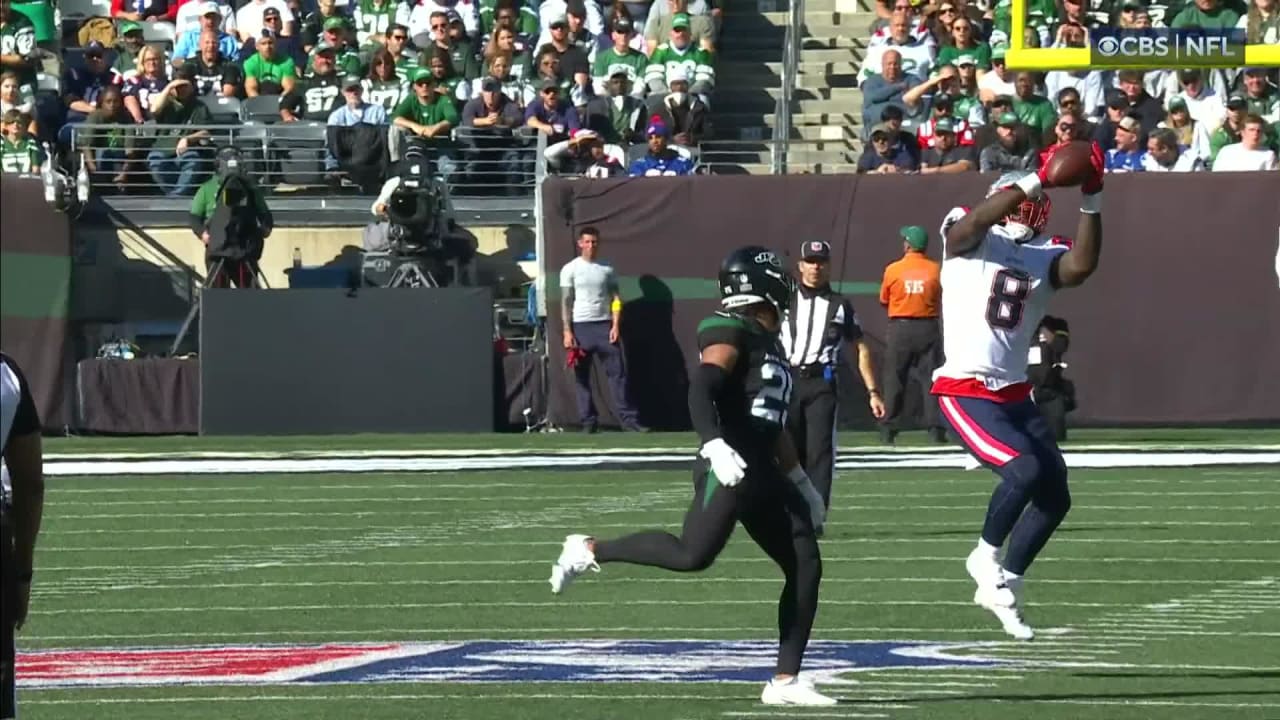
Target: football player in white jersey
998,274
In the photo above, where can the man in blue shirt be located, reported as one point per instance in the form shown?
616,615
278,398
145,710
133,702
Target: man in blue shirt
885,154
81,87
660,160
188,43
1127,155
550,115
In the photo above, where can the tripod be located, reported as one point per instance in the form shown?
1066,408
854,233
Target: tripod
257,279
411,274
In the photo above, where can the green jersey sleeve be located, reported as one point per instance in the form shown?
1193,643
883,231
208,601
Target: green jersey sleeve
722,329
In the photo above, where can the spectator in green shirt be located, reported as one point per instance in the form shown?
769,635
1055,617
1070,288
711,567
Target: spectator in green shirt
1207,14
966,43
19,153
17,45
267,73
1034,111
428,117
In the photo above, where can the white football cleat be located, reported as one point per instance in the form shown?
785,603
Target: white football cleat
796,691
575,558
997,593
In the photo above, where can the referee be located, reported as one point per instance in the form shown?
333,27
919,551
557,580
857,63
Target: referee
912,293
21,505
817,325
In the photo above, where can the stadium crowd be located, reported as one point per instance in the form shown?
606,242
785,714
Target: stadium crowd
937,96
617,89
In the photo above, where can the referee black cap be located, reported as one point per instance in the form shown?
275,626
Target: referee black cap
815,250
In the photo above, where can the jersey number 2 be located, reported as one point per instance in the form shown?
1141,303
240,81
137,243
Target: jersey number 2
1009,294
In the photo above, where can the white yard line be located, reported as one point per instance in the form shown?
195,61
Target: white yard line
477,604
1083,500
53,587
959,543
463,460
661,479
648,510
232,563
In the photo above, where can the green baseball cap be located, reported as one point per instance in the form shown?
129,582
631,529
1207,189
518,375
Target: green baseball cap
128,26
680,20
1007,119
915,236
420,73
998,52
335,22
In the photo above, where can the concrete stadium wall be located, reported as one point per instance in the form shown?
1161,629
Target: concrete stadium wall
142,275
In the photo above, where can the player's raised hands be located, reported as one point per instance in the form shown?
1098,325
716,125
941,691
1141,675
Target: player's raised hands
1098,164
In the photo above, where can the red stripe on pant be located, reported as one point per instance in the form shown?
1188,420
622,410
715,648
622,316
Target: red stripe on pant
980,442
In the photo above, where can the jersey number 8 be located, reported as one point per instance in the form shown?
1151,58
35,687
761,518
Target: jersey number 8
1009,293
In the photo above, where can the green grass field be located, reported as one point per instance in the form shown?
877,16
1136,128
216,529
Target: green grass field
1159,598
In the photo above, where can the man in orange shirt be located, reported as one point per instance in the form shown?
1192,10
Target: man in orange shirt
912,294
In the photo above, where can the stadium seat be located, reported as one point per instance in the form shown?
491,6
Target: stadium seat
85,8
225,111
159,33
48,83
298,150
263,109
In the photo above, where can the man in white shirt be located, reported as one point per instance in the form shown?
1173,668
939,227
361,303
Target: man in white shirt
189,14
249,23
917,55
1203,104
1163,154
998,80
1248,154
591,309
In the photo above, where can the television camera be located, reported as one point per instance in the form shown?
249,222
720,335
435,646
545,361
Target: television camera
423,237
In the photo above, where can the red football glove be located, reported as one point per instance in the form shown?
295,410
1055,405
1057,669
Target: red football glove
1045,156
1093,184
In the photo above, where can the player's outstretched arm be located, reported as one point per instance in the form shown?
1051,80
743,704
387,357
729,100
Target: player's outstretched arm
1073,267
969,230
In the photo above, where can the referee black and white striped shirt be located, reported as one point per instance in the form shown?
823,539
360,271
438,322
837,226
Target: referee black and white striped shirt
819,322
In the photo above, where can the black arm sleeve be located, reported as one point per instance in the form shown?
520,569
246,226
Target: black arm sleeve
197,224
704,389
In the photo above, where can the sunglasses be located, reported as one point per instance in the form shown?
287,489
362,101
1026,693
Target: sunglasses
271,18
1066,126
439,26
551,91
1067,102
947,11
399,37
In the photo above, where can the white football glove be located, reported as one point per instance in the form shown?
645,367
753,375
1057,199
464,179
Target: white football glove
726,463
812,498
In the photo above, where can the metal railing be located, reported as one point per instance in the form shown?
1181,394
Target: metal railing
790,69
294,158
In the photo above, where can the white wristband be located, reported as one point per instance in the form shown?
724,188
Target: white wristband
1030,186
1091,204
797,475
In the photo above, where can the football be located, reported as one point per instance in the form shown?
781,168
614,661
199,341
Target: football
1070,165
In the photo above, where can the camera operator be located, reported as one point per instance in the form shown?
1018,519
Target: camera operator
230,216
415,217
